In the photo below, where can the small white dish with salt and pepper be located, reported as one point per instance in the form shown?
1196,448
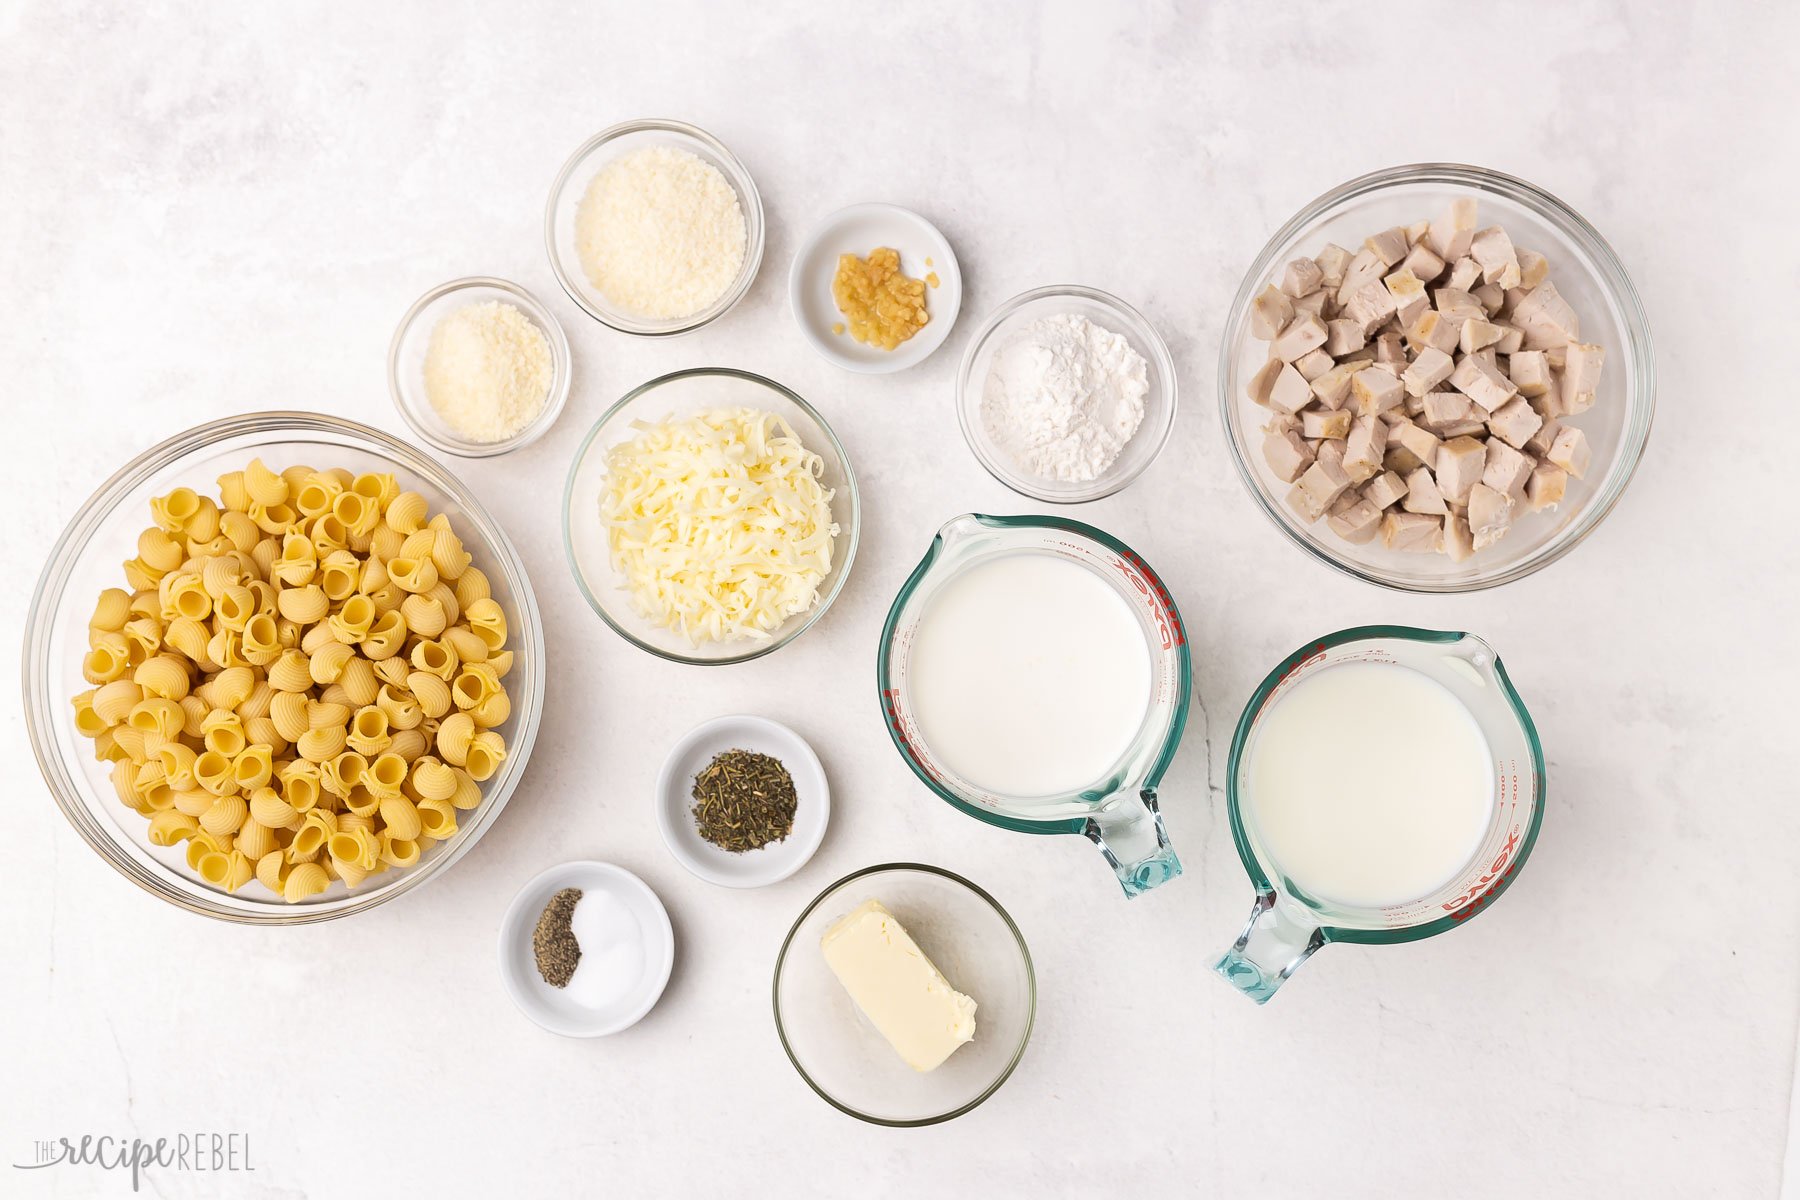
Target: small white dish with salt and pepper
675,802
859,230
627,951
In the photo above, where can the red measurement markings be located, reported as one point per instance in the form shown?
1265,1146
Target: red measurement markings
890,702
1162,607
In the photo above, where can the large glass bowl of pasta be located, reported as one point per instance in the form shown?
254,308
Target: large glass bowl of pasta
312,685
711,516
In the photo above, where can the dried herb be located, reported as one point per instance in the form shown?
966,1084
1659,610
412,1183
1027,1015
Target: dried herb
743,801
554,942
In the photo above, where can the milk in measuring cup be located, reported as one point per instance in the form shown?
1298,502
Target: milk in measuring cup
1029,676
1369,784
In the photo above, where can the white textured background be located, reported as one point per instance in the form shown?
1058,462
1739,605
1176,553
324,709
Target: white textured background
209,210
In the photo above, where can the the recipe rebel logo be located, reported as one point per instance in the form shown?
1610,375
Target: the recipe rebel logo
197,1153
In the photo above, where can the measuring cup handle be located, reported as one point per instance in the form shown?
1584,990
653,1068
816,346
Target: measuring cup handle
1130,834
1275,941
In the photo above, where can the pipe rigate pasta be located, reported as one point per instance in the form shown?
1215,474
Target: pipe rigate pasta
299,682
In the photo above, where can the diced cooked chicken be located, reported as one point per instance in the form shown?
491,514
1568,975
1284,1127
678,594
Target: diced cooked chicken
1371,307
1314,363
1499,261
1291,392
1384,490
1581,376
1546,318
1422,262
1477,335
1333,387
1376,390
1332,261
1452,233
1363,270
1422,442
1490,515
1270,313
1460,462
1319,303
1444,410
1412,532
1423,495
1492,298
1481,381
1570,451
1530,372
1408,291
1512,338
1286,455
1459,544
1534,268
1432,331
1302,276
1263,382
1458,305
1465,273
1539,443
1305,332
1546,487
1302,502
1400,460
1357,523
1325,423
1390,351
1514,422
1365,448
1324,481
1507,469
1344,336
1429,369
1389,246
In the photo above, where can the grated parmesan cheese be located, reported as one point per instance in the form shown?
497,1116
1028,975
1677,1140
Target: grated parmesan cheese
718,523
660,233
487,371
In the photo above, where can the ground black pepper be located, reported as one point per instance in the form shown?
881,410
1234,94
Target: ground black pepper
554,942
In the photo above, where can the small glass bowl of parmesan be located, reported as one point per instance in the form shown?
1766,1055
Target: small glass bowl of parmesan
654,228
479,367
696,544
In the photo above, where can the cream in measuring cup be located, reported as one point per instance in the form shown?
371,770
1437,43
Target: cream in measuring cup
1029,675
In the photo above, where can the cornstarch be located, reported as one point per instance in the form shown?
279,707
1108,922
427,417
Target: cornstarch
1063,396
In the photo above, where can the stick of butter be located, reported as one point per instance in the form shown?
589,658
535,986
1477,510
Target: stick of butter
901,992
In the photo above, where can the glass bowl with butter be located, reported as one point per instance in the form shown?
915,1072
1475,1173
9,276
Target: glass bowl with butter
904,995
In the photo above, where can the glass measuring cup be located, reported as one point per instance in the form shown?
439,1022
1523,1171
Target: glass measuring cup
1118,812
1286,924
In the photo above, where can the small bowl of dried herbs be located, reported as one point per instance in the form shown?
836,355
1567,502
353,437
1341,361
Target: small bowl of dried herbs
742,801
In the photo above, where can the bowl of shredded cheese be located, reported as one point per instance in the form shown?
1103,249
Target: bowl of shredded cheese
711,516
654,228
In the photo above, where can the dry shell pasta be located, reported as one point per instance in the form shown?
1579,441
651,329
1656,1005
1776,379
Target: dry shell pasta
301,680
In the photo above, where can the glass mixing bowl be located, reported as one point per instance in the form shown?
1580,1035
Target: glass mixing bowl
1586,272
845,1059
678,395
86,560
572,184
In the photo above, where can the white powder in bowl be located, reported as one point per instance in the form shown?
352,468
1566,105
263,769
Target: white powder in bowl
1063,396
660,233
487,371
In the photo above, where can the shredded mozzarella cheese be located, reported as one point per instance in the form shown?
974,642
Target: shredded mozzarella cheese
718,523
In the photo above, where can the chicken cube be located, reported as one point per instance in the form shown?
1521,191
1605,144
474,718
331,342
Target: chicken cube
1457,305
1323,481
1546,487
1409,531
1465,273
1422,442
1581,376
1270,313
1452,234
1408,291
1302,502
1530,372
1302,276
1459,544
1305,332
1356,523
1477,335
1384,490
1499,261
1432,331
1371,307
1507,469
1332,262
1318,303
1428,370
1333,387
1325,423
1291,392
1490,515
1444,409
1313,364
1376,390
1365,448
1570,451
1546,318
1363,270
1512,338
1540,442
1344,336
1389,246
1423,495
1423,263
1263,382
1534,268
1481,381
1460,462
1492,298
1514,422
1286,455
1390,351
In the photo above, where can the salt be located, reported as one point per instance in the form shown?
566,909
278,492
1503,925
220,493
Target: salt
612,951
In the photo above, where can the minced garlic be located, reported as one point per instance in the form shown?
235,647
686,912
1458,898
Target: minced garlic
883,306
487,371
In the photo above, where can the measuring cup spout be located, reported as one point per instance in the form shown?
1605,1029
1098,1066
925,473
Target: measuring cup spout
1276,940
1129,831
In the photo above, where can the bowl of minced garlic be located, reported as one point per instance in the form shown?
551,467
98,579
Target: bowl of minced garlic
875,288
479,367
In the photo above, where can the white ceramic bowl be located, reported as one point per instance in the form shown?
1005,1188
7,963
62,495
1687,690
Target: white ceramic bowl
1106,311
675,800
553,1008
406,363
858,230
